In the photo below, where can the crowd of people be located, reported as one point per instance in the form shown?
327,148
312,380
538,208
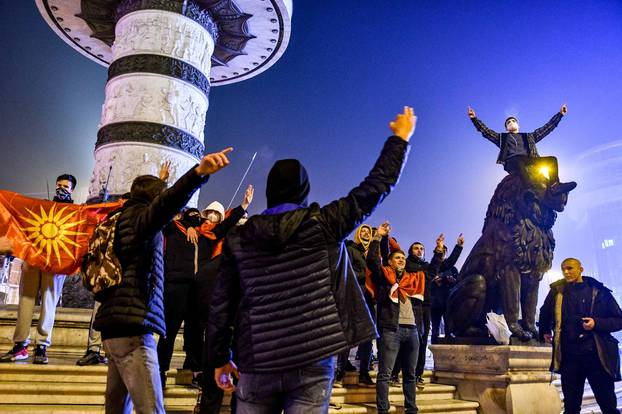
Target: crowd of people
272,305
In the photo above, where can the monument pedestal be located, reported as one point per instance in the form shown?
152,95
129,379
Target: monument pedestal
501,378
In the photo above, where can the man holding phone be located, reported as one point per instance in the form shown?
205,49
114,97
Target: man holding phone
582,313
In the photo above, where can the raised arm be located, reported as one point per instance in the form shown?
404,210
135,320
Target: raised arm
342,216
164,207
455,254
543,131
486,132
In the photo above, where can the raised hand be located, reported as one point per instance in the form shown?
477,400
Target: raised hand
460,241
563,110
165,170
248,196
212,163
440,243
384,229
404,124
471,113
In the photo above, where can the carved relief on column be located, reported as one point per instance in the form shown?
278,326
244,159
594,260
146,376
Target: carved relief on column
163,33
129,160
154,98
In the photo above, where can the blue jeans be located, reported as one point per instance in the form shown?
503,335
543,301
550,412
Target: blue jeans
133,376
406,340
299,391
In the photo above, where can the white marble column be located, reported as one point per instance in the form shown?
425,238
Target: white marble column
156,99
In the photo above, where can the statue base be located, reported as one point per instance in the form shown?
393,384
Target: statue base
502,378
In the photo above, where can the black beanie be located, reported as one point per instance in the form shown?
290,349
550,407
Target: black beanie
288,182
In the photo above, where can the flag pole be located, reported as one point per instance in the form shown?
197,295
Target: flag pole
242,180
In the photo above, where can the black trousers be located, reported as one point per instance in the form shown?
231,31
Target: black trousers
423,343
436,315
180,306
574,371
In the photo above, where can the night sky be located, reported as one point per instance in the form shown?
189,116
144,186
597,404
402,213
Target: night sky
349,68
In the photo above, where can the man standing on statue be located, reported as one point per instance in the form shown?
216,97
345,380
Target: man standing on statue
582,313
516,148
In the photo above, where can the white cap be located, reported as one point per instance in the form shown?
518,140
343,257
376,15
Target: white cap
217,207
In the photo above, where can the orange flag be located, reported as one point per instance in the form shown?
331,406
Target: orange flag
48,235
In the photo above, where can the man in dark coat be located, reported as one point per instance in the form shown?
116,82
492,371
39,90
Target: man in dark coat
515,148
286,284
439,293
416,262
582,313
132,311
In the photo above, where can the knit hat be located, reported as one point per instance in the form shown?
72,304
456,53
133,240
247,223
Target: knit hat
288,182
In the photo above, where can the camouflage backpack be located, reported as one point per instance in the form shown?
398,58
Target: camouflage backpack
101,268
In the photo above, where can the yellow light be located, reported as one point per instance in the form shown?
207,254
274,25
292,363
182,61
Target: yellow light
544,170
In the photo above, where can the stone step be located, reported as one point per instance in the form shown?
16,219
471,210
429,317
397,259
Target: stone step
358,395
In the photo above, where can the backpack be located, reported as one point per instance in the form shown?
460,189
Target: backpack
101,268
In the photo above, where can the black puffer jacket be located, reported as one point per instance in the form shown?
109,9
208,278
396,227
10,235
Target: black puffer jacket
135,306
286,283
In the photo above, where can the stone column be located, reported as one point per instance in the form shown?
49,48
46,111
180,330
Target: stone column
502,378
156,95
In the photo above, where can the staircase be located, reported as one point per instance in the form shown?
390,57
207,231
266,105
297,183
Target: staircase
63,387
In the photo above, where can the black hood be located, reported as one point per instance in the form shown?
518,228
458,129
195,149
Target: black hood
288,182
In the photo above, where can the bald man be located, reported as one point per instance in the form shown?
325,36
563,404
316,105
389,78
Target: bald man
578,316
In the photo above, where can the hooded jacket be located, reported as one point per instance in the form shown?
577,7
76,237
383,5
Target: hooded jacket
286,283
135,306
607,319
357,251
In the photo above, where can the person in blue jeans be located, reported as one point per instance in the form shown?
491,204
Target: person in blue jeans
287,288
398,294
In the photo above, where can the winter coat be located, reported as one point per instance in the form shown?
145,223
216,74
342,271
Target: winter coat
135,306
607,319
286,283
439,293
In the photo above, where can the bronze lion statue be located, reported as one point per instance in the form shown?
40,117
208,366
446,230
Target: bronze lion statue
504,269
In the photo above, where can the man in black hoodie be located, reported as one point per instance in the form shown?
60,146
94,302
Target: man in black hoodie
286,285
35,282
132,311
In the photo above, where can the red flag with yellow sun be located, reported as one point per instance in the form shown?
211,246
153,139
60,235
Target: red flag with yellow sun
48,235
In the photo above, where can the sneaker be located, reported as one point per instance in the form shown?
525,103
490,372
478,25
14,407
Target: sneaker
420,382
338,382
366,381
41,356
92,358
18,353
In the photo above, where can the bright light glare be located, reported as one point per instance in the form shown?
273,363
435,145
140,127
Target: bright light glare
544,170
